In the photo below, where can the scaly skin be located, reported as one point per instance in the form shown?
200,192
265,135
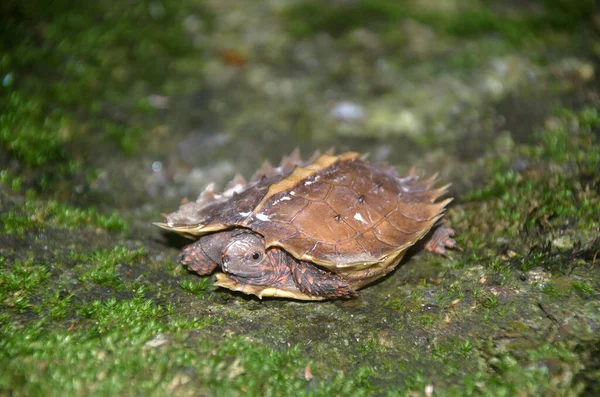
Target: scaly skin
314,281
442,239
196,260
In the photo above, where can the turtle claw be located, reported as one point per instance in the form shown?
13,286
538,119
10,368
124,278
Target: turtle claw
442,239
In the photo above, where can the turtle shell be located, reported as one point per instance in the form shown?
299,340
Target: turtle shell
338,211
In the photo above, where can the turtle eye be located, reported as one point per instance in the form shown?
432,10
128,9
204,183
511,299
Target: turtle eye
255,255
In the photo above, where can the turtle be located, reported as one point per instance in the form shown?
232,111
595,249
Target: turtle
310,230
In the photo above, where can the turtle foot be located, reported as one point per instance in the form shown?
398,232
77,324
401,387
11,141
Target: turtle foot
317,282
196,260
442,239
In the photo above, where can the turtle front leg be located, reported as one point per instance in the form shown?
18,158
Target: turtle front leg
314,281
196,260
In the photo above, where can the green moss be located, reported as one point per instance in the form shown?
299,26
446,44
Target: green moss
84,59
57,304
405,302
35,214
561,262
427,320
101,266
197,288
590,375
473,19
338,19
29,133
489,301
531,229
7,179
128,138
480,20
137,346
571,138
17,283
538,371
371,344
583,288
553,291
451,350
550,190
565,14
118,315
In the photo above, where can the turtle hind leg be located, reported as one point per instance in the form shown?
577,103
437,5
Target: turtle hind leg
196,260
317,282
442,239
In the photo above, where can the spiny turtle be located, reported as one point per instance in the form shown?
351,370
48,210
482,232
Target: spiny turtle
310,230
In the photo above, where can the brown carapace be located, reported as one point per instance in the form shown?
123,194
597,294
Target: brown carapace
310,230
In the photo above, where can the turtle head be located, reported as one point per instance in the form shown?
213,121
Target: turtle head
239,252
244,256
